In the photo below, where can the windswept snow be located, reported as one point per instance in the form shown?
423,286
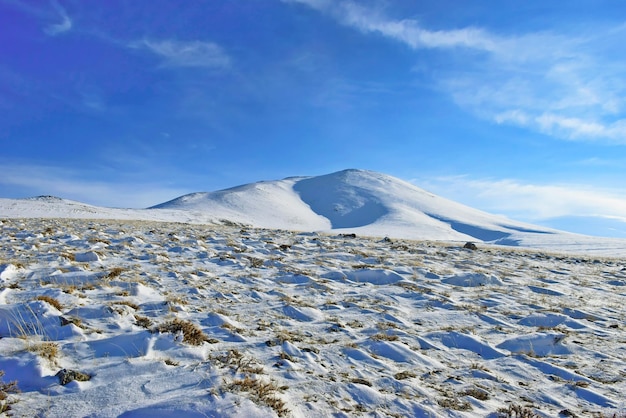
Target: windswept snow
172,319
283,298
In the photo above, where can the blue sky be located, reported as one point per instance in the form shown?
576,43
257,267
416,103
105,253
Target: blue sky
517,108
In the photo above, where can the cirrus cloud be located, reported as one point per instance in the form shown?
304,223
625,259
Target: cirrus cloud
63,26
558,84
186,53
531,202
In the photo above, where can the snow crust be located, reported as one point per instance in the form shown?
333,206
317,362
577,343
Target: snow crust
302,324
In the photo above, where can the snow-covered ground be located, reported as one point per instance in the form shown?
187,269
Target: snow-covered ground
259,301
301,324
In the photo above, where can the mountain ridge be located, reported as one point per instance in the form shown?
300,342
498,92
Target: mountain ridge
356,201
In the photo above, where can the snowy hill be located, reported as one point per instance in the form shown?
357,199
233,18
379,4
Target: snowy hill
350,201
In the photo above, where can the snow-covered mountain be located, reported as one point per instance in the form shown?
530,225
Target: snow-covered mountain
350,201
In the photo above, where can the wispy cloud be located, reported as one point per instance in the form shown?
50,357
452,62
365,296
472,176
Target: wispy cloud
563,126
63,26
42,11
531,202
187,54
410,32
570,87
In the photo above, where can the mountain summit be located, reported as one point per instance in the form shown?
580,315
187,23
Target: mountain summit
352,201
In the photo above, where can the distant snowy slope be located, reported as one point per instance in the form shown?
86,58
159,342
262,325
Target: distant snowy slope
358,201
350,201
375,203
267,204
54,207
47,206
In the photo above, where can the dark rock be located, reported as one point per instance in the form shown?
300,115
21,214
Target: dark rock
271,343
470,246
66,376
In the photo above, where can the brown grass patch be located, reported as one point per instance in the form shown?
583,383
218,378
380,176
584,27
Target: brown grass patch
115,272
262,392
7,389
192,334
404,375
46,350
516,411
51,301
126,303
384,337
143,321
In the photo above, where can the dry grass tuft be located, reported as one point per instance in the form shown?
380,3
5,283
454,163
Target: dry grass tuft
7,389
115,272
192,334
454,403
69,256
126,303
143,321
171,362
361,381
516,411
47,350
239,363
404,375
52,301
66,320
480,394
262,392
384,337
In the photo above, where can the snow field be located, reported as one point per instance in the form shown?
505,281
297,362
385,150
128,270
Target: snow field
301,325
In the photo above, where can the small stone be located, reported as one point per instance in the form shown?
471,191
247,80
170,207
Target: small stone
470,246
66,376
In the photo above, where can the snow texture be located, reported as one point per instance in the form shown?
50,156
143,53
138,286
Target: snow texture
215,305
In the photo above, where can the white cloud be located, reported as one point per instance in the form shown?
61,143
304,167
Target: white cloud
407,31
41,11
570,87
411,33
566,127
187,54
63,26
531,202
